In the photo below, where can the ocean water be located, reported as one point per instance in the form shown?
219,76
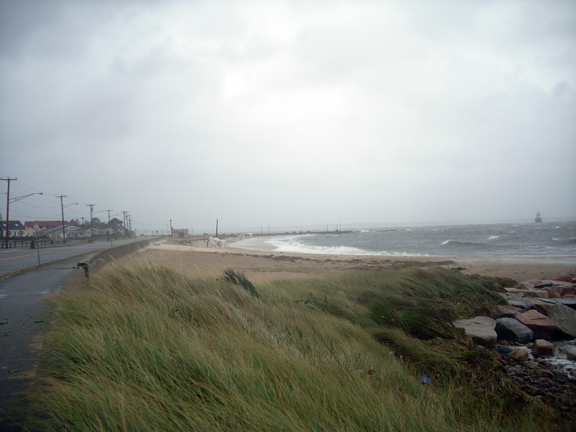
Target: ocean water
516,240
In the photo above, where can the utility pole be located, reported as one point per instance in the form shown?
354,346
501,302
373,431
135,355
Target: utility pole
171,229
8,209
37,243
124,213
109,228
63,228
91,208
216,227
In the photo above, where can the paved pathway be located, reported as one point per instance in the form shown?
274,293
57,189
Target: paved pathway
22,323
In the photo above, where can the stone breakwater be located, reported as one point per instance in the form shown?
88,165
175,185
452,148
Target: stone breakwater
533,336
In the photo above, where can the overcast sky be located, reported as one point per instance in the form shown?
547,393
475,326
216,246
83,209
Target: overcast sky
289,113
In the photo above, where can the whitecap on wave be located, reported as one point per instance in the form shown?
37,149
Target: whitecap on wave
292,244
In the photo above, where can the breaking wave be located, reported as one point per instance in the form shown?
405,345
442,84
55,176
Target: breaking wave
292,244
468,240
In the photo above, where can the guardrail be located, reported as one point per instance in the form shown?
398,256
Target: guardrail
100,259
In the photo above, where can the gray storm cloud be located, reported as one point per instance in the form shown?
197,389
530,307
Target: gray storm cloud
291,113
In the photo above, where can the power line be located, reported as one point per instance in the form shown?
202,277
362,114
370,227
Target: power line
31,187
30,205
36,216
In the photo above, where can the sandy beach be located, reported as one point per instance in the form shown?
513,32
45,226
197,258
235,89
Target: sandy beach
193,257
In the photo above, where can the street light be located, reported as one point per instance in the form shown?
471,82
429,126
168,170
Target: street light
11,200
25,196
63,227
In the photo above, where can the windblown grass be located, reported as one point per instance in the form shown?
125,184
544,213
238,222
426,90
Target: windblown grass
149,349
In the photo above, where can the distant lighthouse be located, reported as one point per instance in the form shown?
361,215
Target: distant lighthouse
538,218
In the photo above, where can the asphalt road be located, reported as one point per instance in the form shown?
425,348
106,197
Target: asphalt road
22,317
22,322
15,259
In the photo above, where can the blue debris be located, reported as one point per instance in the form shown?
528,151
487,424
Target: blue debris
425,379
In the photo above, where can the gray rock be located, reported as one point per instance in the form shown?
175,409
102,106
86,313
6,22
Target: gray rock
541,306
505,311
527,285
480,329
555,301
503,350
537,293
570,353
520,304
513,330
565,319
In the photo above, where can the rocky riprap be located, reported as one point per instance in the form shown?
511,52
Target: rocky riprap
540,379
533,337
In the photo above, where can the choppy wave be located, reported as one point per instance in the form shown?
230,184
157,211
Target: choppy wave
464,244
469,240
293,244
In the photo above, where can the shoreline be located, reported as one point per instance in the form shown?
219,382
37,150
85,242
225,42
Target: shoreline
193,257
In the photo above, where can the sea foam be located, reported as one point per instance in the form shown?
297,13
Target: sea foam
292,244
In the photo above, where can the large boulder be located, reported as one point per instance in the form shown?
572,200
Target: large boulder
529,284
519,354
563,301
505,311
520,304
543,348
536,293
480,329
540,324
565,319
570,353
512,330
561,291
540,305
563,277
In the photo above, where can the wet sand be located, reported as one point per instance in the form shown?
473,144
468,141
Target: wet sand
193,257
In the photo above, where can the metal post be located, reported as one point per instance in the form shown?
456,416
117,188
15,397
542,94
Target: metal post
37,243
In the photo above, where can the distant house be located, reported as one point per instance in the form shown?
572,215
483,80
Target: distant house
43,225
72,231
16,229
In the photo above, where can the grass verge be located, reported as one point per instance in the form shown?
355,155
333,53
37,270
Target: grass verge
149,349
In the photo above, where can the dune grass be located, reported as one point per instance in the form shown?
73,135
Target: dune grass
149,349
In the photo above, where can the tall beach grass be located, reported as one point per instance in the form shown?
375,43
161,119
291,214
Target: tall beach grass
150,349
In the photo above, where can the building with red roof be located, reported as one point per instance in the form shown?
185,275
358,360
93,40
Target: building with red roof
42,225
